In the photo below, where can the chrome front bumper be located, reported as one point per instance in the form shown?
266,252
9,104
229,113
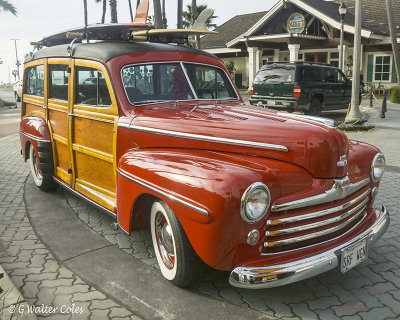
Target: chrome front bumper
278,275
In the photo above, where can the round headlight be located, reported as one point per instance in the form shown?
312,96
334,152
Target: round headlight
377,167
255,202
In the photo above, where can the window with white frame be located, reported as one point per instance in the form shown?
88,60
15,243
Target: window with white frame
382,69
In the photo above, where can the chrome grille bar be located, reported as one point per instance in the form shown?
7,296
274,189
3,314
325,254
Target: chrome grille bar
341,188
316,224
317,214
315,234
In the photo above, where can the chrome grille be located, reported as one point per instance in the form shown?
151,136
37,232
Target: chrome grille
300,227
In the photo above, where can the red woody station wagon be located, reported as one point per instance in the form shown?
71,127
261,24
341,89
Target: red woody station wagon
157,135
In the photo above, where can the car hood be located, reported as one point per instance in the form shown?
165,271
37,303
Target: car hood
243,129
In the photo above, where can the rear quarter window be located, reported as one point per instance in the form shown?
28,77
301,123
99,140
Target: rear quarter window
310,73
35,80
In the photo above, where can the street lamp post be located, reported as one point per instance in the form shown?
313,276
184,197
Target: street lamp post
342,12
16,56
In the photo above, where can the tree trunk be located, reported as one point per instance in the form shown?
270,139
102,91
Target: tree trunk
164,18
103,17
180,12
395,47
157,14
85,12
113,10
130,9
194,11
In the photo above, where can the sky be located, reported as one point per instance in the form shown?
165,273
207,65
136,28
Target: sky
40,18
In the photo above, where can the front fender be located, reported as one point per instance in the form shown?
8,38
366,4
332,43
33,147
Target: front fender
204,190
33,129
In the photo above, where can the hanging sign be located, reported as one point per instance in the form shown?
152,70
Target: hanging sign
296,23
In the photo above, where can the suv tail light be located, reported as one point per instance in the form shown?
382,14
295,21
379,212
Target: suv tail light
252,90
296,91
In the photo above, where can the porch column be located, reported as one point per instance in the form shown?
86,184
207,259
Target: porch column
254,61
294,52
276,55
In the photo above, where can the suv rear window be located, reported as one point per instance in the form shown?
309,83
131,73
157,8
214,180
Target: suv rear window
276,73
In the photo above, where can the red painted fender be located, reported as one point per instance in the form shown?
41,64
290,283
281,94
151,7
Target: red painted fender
33,129
204,190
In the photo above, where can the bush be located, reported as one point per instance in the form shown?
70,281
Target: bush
230,65
395,96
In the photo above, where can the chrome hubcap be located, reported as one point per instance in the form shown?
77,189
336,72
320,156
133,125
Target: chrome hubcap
164,240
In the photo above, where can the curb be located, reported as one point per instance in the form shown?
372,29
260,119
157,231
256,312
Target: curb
11,299
121,277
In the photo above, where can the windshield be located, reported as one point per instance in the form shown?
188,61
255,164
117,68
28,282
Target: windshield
276,73
160,82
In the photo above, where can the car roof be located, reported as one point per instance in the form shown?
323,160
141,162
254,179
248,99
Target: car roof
105,51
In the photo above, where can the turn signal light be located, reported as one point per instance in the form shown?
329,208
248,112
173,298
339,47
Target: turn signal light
296,91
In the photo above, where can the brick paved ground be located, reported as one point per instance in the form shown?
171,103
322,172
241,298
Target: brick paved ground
31,267
370,291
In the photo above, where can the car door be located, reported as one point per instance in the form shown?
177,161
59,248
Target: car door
58,106
331,87
93,122
345,88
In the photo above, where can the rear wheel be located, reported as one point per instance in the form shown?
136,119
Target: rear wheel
42,167
177,259
315,107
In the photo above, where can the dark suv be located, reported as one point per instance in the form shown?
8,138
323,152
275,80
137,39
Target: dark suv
301,86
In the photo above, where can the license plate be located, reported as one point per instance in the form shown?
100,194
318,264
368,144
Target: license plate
353,255
270,102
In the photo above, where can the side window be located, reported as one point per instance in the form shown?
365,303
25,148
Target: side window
58,81
309,73
329,75
340,77
91,88
35,80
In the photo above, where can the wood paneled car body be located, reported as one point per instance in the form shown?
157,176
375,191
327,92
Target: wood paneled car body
158,136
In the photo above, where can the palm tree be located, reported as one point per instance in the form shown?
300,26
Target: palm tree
113,10
7,6
85,12
188,17
130,9
103,15
194,7
157,14
164,19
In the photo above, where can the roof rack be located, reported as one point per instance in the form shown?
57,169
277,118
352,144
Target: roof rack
121,32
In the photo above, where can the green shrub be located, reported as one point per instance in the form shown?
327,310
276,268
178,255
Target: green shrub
230,65
395,96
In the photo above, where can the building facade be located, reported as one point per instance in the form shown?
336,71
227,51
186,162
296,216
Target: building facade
308,30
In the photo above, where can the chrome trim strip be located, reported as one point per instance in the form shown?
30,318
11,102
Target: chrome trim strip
316,224
316,214
205,138
321,120
272,244
33,137
259,277
83,197
163,193
341,188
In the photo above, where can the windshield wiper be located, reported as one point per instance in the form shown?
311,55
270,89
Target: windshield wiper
148,101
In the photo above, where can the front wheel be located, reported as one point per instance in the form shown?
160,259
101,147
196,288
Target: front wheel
177,259
42,168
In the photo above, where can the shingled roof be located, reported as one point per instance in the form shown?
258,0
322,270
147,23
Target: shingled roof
230,30
374,19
